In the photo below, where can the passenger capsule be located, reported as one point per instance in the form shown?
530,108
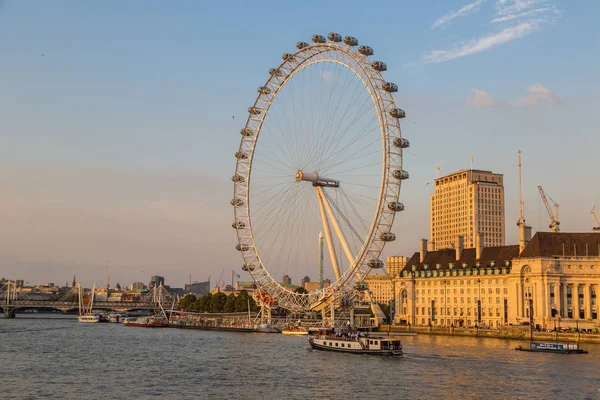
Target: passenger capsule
397,113
376,264
238,225
238,179
396,206
248,267
400,174
237,202
401,142
365,50
360,286
264,90
254,110
351,41
390,87
288,57
334,37
301,45
240,155
386,237
247,132
242,247
275,72
318,39
379,66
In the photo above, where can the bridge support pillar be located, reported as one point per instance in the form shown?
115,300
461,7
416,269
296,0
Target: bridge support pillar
9,312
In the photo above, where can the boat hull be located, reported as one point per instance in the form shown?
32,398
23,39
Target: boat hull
316,346
574,351
296,333
147,325
557,348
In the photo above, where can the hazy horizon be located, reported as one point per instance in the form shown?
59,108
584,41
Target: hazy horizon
119,121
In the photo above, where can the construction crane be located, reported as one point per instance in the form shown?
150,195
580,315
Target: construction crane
596,223
521,221
554,223
597,227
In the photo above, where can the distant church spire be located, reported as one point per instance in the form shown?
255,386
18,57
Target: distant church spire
73,285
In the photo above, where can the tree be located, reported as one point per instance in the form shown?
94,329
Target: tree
203,303
230,304
187,302
217,302
300,290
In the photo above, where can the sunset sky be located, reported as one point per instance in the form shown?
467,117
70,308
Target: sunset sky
117,132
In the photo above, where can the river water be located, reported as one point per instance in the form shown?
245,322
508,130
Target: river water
49,357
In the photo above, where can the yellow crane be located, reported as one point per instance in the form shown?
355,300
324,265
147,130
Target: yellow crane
554,223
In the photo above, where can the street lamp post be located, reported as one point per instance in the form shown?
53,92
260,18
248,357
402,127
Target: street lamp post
445,307
478,303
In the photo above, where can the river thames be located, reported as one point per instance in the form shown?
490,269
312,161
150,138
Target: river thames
49,357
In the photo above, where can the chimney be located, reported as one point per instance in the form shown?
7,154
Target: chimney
431,246
478,246
460,245
524,237
423,249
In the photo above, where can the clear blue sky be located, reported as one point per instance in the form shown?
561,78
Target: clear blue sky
116,129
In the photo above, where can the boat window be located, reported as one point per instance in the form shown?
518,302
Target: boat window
336,345
370,342
342,345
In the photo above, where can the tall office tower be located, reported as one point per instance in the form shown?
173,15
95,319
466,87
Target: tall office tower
465,203
395,264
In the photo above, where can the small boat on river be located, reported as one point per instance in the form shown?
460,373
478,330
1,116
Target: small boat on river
89,318
152,321
295,330
372,345
560,348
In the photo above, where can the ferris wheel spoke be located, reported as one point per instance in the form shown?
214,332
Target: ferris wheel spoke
361,133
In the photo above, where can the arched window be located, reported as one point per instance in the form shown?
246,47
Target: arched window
526,270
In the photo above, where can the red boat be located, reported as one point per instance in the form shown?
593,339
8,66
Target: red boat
152,321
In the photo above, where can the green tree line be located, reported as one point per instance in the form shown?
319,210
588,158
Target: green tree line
218,303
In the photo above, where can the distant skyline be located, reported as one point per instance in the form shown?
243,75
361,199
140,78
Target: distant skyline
117,136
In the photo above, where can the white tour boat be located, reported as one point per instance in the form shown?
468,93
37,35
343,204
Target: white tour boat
373,345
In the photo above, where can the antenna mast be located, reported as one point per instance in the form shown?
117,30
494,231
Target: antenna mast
521,220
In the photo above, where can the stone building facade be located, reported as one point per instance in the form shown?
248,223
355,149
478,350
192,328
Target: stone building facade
555,276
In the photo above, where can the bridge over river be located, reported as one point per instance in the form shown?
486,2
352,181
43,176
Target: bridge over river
13,298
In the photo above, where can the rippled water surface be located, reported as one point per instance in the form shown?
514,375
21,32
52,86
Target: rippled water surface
60,358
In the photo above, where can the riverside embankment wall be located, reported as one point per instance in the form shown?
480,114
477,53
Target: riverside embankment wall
510,332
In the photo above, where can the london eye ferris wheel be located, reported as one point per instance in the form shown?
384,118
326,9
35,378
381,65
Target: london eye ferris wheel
328,162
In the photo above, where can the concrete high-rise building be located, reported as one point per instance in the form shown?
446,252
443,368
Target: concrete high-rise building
287,280
395,264
466,203
156,280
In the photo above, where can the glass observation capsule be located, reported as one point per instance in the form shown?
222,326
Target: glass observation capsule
396,206
390,87
379,66
334,37
365,50
387,237
400,174
318,39
397,113
401,143
351,41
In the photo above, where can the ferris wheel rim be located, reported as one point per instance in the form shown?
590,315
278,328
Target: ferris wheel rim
389,128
